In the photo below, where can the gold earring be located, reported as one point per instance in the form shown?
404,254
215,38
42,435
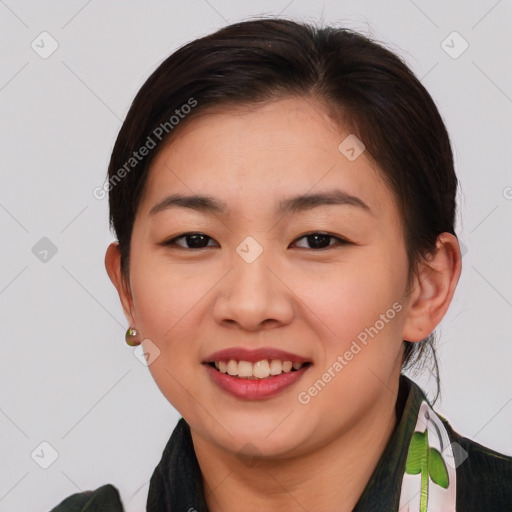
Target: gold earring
130,335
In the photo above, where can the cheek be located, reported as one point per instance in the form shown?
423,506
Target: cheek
168,302
158,300
165,294
355,295
360,323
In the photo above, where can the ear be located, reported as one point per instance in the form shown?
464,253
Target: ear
113,266
433,288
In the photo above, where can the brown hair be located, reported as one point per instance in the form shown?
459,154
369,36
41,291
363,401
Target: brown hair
380,99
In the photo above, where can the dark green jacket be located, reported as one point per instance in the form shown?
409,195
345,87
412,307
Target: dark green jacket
483,476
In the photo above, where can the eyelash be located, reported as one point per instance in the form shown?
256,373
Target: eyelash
340,241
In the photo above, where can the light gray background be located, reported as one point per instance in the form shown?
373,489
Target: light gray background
66,376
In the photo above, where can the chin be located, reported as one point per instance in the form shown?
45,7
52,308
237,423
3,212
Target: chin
255,435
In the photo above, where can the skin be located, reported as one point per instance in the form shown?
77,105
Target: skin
308,301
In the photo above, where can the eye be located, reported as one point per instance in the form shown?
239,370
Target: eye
194,241
320,240
317,239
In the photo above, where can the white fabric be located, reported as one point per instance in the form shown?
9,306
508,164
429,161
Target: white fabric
439,499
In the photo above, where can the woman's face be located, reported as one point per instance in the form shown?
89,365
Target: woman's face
253,287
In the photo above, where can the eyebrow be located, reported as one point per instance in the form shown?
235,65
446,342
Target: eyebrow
208,204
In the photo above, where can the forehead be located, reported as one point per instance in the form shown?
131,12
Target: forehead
250,156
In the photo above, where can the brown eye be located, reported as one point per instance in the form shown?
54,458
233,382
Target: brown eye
315,240
319,240
192,241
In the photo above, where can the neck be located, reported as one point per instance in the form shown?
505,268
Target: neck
329,478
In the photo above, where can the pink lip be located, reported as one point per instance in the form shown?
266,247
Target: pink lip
254,389
254,355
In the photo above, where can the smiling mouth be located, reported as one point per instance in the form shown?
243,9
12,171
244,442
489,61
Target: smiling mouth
264,369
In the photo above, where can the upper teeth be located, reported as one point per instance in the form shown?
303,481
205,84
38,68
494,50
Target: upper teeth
259,370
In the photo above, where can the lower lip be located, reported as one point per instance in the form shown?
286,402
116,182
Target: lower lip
255,389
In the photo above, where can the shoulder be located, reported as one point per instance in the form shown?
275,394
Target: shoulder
102,499
484,476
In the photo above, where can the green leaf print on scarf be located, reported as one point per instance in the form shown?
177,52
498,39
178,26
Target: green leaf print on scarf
423,459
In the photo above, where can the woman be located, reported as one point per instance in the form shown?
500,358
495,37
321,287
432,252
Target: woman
283,198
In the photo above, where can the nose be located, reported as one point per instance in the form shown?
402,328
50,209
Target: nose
254,296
